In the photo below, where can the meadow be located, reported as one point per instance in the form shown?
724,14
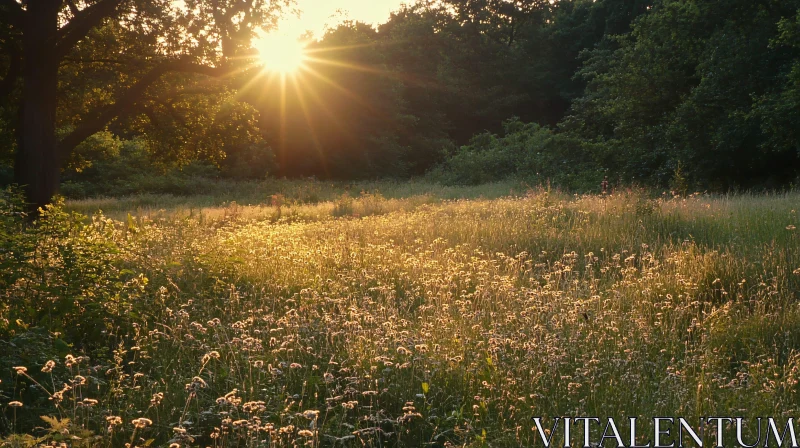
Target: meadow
391,314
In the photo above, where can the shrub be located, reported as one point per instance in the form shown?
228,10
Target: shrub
108,166
63,268
253,161
526,151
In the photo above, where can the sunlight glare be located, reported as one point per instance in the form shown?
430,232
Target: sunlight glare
280,52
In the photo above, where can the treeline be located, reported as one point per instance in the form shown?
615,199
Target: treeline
397,100
701,93
705,93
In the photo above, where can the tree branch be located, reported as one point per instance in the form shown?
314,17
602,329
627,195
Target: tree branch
73,9
124,105
95,61
84,21
13,12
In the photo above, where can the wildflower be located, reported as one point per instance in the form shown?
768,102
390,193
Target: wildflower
48,366
254,406
156,400
305,433
20,370
790,227
114,420
174,445
15,404
258,364
141,423
197,383
210,355
178,430
403,351
311,414
408,417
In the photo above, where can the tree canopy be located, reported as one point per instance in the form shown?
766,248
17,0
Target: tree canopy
75,68
632,89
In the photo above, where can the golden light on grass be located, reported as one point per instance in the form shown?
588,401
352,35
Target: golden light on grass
280,52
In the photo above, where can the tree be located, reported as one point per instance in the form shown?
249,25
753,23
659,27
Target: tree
138,44
706,86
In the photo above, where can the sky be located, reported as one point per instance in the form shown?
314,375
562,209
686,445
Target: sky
315,14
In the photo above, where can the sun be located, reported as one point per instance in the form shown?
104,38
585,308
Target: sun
280,52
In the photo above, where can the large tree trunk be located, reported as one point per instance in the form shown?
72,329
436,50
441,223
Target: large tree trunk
37,164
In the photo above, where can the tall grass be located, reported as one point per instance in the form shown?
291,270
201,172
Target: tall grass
406,318
298,197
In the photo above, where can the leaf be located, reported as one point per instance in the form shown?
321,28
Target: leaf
56,425
425,388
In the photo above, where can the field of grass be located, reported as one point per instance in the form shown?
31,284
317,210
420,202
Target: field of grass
309,314
300,200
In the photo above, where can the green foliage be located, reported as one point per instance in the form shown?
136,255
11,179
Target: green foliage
253,161
709,84
527,152
679,184
61,273
124,167
629,88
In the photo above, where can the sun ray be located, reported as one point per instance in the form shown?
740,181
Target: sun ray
338,87
361,68
251,82
382,72
312,133
324,107
311,50
282,137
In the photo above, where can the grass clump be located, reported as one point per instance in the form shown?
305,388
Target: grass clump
396,321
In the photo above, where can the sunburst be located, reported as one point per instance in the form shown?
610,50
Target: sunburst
280,52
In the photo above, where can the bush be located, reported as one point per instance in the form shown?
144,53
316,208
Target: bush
249,162
526,151
108,166
63,267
